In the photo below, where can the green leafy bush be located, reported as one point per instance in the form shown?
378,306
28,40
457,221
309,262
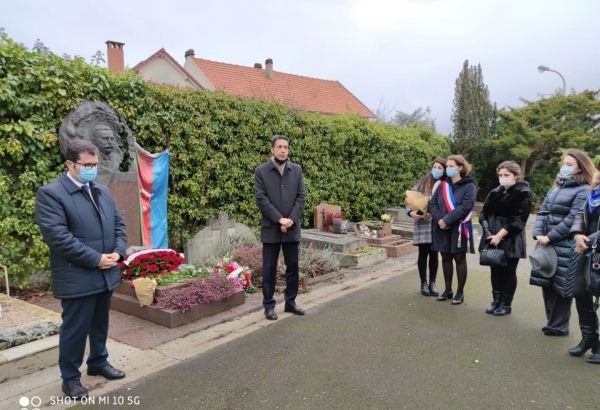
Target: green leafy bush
215,140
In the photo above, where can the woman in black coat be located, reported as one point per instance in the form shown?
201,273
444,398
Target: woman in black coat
585,231
553,228
503,219
452,235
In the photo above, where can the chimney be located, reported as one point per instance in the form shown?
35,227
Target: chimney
257,65
269,68
115,56
190,53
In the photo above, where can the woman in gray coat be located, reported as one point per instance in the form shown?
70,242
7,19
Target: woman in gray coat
427,185
552,228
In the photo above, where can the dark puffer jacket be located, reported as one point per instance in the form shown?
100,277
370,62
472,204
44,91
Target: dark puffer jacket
554,219
508,209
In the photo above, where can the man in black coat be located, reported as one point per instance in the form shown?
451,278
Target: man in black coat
86,236
280,196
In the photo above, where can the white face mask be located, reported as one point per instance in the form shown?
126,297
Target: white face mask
506,182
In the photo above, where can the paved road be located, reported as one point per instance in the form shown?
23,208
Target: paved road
386,346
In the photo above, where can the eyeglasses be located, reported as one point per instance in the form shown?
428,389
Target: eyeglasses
88,166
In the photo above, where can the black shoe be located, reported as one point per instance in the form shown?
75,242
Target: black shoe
293,308
74,389
270,314
584,346
433,290
594,359
491,308
446,295
502,310
458,298
424,289
108,372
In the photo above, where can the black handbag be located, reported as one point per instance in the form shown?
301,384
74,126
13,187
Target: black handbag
592,273
492,256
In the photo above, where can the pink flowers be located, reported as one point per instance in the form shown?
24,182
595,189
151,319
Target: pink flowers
150,263
211,289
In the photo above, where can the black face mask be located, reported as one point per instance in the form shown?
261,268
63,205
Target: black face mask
280,162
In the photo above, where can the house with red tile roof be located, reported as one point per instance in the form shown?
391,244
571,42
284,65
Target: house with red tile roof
298,92
162,68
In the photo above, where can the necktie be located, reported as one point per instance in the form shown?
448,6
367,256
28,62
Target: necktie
89,192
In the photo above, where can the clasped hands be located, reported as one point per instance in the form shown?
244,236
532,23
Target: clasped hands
543,240
285,224
108,260
417,217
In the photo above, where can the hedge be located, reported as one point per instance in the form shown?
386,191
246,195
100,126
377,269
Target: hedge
215,141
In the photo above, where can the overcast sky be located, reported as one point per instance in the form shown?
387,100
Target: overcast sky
394,54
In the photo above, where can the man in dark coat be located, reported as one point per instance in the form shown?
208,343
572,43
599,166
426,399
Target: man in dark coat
86,236
280,196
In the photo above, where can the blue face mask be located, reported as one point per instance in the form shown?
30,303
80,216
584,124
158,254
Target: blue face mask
437,173
451,172
88,175
566,171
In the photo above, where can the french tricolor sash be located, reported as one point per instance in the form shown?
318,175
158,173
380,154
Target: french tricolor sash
465,228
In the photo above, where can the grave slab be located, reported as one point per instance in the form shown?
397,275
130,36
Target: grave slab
337,242
171,317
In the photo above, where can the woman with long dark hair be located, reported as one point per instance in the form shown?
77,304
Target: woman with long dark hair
585,231
427,185
503,219
451,209
552,228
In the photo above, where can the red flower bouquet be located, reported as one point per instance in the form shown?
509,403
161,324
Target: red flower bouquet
150,263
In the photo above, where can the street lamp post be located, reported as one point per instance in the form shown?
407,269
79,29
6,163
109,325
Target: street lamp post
542,68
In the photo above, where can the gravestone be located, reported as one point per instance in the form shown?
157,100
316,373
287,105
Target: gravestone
214,240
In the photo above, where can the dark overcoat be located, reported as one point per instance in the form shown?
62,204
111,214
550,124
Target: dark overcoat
446,240
279,196
555,219
508,209
77,234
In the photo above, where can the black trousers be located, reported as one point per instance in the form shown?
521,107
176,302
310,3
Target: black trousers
584,302
83,317
504,280
269,271
425,253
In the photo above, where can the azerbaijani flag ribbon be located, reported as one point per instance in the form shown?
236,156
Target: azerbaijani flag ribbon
153,182
464,228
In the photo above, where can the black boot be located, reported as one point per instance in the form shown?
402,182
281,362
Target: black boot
495,302
424,289
589,337
433,290
504,307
